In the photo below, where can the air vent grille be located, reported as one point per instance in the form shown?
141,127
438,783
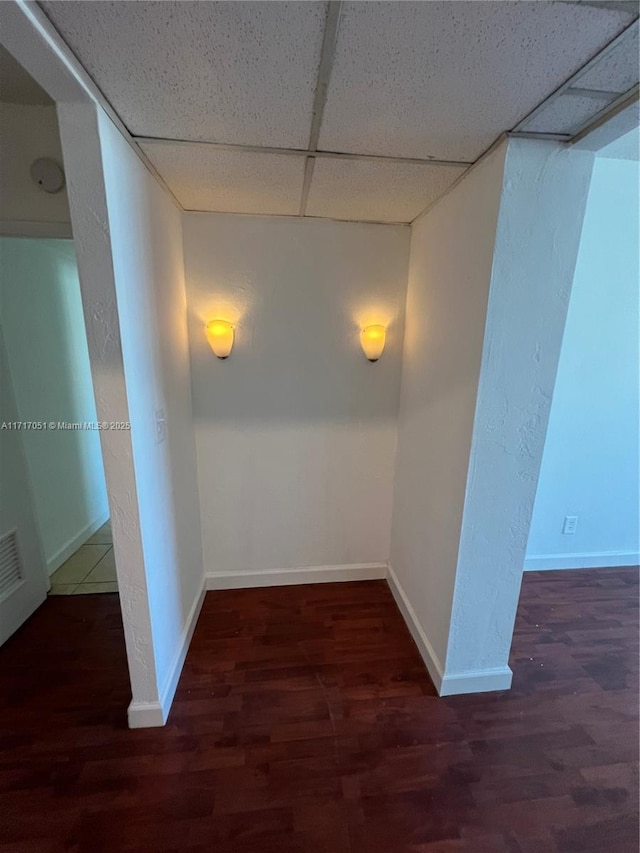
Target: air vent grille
10,566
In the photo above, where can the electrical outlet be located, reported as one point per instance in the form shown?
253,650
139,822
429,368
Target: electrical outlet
570,524
161,426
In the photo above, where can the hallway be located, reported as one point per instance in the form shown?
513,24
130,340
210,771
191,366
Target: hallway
305,722
92,568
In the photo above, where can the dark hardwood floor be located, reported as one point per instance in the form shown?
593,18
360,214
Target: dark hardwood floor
305,723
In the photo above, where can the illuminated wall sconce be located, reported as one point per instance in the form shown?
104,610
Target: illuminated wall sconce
220,337
372,341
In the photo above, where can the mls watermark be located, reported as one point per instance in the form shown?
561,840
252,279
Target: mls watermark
63,426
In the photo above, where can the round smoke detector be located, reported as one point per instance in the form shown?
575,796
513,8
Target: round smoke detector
47,174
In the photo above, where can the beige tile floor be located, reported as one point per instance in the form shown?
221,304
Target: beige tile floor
91,568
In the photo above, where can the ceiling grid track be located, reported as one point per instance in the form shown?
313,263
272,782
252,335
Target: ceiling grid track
608,113
611,109
591,83
298,152
325,67
622,101
567,87
58,44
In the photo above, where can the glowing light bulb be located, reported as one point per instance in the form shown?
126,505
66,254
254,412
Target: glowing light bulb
372,340
220,337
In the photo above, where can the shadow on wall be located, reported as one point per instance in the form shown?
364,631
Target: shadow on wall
298,294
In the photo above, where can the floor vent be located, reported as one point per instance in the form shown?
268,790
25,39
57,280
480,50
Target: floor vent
10,566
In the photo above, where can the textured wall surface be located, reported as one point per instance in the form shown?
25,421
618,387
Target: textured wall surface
541,211
590,463
449,274
41,310
80,136
146,236
296,431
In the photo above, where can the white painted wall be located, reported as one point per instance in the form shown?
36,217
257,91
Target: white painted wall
490,273
79,131
590,464
84,131
542,207
296,431
27,133
41,311
146,239
449,275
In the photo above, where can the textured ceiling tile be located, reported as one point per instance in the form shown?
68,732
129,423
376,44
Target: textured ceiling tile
617,71
222,72
376,190
205,178
565,114
444,79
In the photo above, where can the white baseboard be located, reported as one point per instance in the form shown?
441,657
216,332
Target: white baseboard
149,714
145,715
447,684
594,560
425,648
72,545
478,681
287,577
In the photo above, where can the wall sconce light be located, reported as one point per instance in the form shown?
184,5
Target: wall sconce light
220,337
372,340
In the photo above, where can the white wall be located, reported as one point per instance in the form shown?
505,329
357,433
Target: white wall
296,431
490,273
545,189
100,235
41,311
146,239
27,133
79,131
449,275
590,463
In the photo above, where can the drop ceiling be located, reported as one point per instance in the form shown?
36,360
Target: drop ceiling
362,111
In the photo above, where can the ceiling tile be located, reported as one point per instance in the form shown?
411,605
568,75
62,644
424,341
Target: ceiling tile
206,178
373,190
617,71
222,72
565,114
444,79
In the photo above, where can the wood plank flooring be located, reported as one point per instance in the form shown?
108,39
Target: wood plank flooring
305,723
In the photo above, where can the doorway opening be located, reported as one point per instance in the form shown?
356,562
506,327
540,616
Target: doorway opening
587,502
55,533
579,598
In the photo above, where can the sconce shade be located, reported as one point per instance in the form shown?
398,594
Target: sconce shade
220,337
372,340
